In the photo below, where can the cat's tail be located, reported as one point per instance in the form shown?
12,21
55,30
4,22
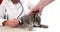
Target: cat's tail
41,26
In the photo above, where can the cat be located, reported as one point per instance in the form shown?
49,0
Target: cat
32,20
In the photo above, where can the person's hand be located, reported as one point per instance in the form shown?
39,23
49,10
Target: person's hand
36,9
12,23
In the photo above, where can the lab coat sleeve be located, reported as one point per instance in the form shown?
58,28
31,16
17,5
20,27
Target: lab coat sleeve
2,11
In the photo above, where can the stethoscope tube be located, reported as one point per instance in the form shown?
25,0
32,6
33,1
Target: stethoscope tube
22,10
6,15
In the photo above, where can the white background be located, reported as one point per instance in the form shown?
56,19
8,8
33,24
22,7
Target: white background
51,17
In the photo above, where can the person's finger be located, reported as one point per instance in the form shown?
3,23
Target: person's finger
12,24
14,21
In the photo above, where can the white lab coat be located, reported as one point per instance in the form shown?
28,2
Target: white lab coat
13,11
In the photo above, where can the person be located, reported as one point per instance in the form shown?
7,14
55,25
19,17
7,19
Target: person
1,1
12,10
40,5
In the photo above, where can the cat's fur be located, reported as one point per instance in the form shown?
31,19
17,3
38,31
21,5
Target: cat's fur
32,20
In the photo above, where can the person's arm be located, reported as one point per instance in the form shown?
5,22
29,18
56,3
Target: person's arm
41,4
2,11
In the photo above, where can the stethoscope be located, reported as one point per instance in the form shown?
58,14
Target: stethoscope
6,15
21,11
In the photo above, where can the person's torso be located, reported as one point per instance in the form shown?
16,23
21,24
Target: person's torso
13,11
